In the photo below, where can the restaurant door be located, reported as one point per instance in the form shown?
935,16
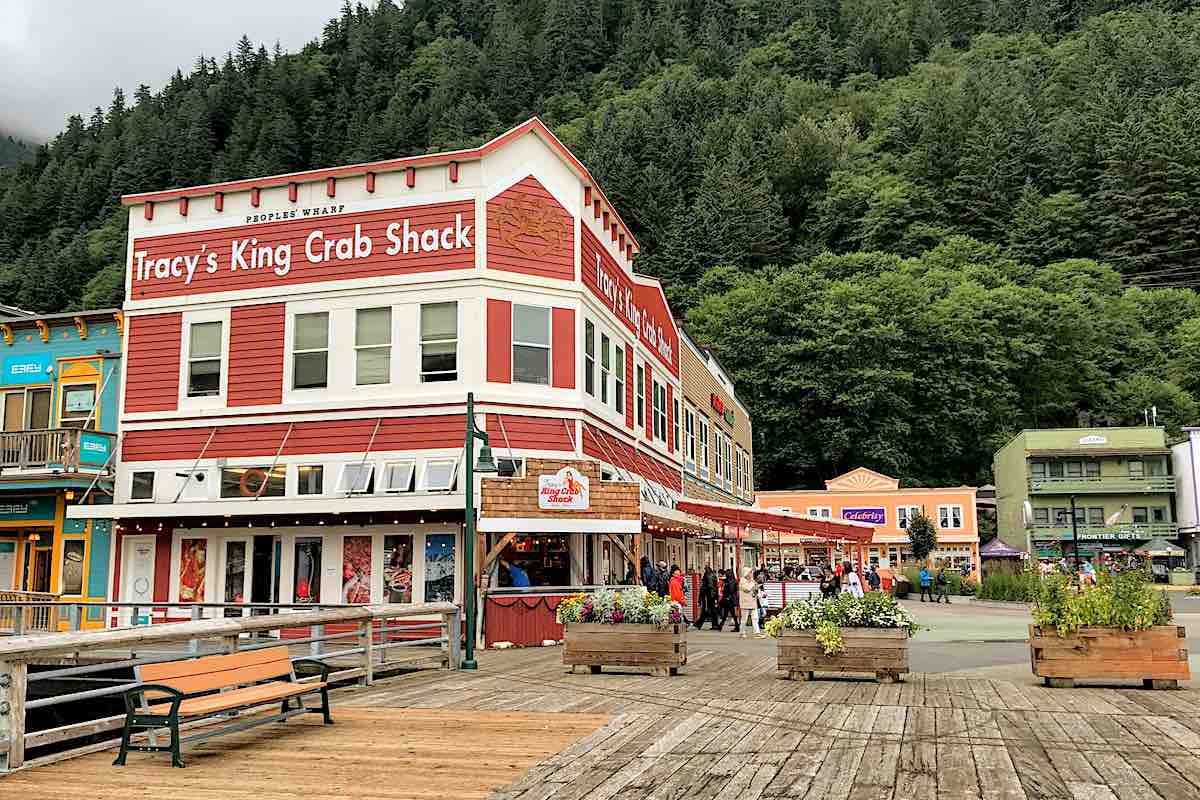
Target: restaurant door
37,563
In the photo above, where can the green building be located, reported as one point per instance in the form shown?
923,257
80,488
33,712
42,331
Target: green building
1117,480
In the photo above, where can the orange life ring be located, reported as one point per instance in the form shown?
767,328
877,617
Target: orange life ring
246,492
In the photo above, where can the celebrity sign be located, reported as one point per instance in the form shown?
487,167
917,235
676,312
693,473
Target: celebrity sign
566,490
304,248
875,516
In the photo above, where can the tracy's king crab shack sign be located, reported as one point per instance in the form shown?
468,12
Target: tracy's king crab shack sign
566,490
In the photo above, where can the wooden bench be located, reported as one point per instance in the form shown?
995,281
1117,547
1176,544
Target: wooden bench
214,686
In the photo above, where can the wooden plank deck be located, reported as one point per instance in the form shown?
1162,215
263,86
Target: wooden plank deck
727,726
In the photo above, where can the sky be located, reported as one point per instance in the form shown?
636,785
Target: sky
63,57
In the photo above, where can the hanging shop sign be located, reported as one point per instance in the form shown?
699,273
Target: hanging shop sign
874,516
32,368
566,490
94,449
718,405
34,508
306,248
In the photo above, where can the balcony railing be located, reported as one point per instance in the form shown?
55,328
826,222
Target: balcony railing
1122,531
1123,484
56,450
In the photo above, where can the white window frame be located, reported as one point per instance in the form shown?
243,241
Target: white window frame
292,352
659,409
549,347
422,341
605,367
639,397
191,318
298,493
432,462
408,463
704,447
153,485
676,425
949,509
689,433
358,348
363,480
904,514
822,512
589,357
619,356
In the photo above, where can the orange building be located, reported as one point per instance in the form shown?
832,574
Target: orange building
867,496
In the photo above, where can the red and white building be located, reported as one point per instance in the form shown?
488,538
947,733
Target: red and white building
299,352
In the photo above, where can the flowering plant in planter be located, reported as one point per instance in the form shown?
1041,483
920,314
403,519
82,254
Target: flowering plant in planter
633,605
828,616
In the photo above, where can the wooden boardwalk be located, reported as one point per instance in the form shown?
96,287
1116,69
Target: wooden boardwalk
727,727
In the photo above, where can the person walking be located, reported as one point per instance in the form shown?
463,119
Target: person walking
675,587
852,583
729,601
646,574
926,584
873,579
748,601
708,598
942,582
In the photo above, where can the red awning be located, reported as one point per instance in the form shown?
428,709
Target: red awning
783,521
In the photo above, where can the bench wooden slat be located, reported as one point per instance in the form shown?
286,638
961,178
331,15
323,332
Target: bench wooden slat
239,698
217,672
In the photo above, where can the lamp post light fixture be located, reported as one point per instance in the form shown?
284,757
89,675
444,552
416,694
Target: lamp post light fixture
486,466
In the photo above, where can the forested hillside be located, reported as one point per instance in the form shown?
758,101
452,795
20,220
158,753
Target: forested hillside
13,150
907,227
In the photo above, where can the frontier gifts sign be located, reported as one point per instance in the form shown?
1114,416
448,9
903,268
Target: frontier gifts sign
299,250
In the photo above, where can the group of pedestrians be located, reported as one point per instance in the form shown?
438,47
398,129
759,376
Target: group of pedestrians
723,596
930,581
843,578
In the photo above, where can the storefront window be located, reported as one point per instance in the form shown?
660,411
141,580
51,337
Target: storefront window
397,569
356,569
193,558
306,585
439,568
253,481
235,571
542,560
72,567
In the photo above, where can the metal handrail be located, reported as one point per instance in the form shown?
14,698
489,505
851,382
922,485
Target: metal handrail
367,645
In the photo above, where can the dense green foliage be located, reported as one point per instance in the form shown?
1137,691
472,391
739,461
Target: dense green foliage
13,150
922,535
903,225
1127,600
1009,582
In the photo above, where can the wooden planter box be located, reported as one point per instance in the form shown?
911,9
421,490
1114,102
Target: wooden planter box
882,651
591,644
1158,657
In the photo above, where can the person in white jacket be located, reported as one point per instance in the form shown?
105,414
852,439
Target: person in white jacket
748,600
851,583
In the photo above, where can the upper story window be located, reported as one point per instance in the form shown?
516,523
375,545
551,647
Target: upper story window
531,345
398,475
439,342
25,409
1037,469
904,515
675,423
619,379
639,391
1091,469
253,481
1074,469
310,479
142,486
660,410
689,436
204,359
78,403
1055,469
1136,469
1156,466
440,474
824,512
605,366
357,478
310,351
950,517
719,465
373,346
703,445
589,357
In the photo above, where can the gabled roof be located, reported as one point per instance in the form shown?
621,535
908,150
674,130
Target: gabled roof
533,126
862,479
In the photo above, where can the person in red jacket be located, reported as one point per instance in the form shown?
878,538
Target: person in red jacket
675,585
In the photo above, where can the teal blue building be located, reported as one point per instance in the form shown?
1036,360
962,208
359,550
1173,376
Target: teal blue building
60,378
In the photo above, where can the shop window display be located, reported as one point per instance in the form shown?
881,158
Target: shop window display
193,555
356,569
543,560
72,567
439,568
397,569
306,586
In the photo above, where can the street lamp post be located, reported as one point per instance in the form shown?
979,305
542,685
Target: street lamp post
485,466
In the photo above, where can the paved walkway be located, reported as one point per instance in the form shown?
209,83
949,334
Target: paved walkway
730,728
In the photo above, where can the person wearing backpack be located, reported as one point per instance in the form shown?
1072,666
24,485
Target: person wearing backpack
942,582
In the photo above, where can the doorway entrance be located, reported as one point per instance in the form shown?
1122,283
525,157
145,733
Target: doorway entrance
137,576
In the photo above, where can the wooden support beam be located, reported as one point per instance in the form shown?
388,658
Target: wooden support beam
630,557
495,552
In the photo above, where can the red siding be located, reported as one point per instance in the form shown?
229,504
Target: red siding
526,621
293,232
629,407
530,433
604,446
670,418
152,345
324,436
562,345
530,232
499,341
256,355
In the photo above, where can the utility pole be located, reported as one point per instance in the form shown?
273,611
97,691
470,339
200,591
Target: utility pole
485,466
